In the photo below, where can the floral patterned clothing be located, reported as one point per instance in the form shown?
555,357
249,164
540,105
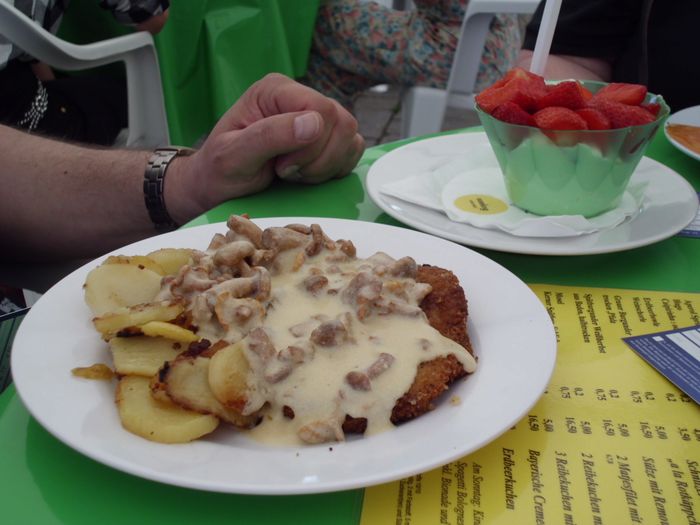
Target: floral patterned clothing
359,44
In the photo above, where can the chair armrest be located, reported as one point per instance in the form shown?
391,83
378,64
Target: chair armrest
43,45
148,124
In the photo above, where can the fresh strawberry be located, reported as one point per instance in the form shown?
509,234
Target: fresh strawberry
522,74
652,107
621,115
630,94
518,86
558,118
513,113
564,94
594,118
585,92
513,91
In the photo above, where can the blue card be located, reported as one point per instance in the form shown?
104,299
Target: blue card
693,229
676,354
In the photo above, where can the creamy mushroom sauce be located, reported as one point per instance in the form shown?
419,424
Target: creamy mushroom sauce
329,335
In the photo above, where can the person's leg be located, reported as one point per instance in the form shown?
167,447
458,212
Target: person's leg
82,109
501,50
18,91
356,45
434,36
360,44
91,109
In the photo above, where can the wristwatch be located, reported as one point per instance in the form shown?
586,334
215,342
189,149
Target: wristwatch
154,184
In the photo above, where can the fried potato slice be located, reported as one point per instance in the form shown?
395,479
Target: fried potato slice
110,324
186,381
136,260
156,420
141,355
228,376
158,391
96,371
112,286
171,259
169,331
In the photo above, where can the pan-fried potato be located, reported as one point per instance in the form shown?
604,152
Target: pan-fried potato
96,371
169,331
186,381
111,323
171,259
228,376
158,390
156,420
112,286
136,260
142,356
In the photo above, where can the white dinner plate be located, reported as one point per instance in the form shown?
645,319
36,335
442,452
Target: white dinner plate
670,202
690,117
509,328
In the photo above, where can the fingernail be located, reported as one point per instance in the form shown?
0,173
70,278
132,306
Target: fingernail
306,126
289,171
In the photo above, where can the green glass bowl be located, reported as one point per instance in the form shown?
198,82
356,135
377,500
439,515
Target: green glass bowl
572,172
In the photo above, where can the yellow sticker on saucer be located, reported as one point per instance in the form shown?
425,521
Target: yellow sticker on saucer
480,204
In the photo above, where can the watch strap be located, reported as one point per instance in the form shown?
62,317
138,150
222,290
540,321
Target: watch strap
154,184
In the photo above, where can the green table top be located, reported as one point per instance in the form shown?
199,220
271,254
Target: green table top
47,482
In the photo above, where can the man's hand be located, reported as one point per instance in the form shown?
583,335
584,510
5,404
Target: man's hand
154,24
277,128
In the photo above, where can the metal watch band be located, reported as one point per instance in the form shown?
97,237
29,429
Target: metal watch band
154,183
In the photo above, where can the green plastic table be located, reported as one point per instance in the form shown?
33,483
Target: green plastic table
46,482
211,51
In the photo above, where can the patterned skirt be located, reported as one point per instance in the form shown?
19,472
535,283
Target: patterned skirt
359,44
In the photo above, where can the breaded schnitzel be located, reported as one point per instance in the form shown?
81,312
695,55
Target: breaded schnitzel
446,309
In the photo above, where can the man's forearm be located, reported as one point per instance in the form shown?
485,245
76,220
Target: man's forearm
565,66
64,200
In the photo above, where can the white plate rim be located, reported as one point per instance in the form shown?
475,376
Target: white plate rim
532,335
689,116
646,225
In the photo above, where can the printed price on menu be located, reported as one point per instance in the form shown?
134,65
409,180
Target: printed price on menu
611,440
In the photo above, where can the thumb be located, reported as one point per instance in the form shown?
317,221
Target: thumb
279,134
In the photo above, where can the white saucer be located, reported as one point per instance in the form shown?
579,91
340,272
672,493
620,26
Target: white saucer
670,204
690,117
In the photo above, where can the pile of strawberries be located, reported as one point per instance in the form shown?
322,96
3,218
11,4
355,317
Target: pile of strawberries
521,97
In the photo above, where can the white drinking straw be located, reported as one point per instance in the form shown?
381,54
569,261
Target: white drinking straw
544,36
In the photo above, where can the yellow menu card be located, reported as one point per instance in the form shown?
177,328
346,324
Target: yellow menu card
610,442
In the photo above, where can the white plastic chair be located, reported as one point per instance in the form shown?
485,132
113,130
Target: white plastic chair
423,108
148,123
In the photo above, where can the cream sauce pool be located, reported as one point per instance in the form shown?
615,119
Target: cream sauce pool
324,333
317,389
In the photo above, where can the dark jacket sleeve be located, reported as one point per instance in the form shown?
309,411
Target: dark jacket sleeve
590,28
135,11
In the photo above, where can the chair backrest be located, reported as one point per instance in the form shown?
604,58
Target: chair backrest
475,28
423,108
148,124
